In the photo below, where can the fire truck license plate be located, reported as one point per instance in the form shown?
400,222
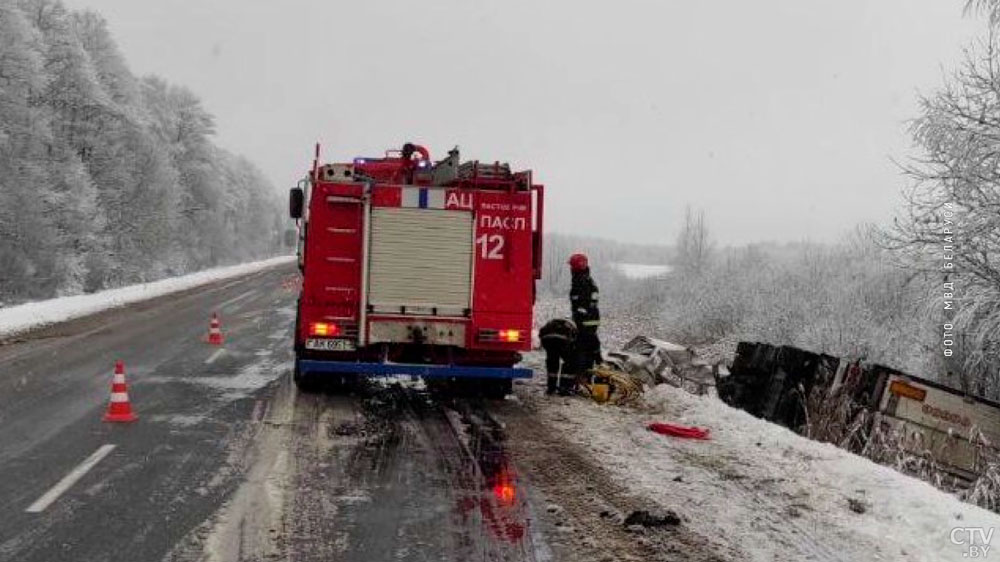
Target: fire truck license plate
330,345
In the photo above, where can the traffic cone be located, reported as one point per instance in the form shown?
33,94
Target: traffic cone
214,330
119,409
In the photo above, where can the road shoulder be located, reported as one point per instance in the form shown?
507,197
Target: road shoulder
585,507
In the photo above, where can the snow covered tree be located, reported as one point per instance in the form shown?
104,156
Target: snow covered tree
951,231
27,251
989,7
693,250
106,179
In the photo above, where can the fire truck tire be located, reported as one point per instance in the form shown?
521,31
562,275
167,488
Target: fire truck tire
325,382
305,383
343,383
491,389
498,389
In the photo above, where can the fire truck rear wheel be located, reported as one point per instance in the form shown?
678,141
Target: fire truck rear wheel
498,389
344,382
334,383
305,383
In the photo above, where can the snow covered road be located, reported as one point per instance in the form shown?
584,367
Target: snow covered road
228,462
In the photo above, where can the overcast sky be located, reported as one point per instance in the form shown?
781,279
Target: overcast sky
777,117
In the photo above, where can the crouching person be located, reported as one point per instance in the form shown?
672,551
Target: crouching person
558,339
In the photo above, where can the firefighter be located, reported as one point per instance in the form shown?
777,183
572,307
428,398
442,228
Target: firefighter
558,339
583,300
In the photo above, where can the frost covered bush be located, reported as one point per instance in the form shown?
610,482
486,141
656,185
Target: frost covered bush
846,300
628,306
902,449
834,417
985,490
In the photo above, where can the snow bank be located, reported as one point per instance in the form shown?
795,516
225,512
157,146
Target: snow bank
765,492
641,270
31,315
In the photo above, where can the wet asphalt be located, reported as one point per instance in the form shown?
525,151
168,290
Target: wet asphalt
163,476
387,472
393,473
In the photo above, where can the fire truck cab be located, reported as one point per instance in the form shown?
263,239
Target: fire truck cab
416,267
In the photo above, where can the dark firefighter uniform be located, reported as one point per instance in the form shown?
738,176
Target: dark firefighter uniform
558,339
583,296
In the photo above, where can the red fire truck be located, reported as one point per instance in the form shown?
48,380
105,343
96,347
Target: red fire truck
416,267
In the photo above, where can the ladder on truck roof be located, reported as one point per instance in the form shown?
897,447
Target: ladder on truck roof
473,170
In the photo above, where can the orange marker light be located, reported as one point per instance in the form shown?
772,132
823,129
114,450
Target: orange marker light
510,336
323,329
902,388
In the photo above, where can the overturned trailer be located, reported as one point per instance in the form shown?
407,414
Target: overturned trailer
795,387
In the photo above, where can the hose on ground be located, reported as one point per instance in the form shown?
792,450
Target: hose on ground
625,388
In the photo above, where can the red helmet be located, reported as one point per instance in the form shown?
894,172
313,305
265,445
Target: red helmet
578,262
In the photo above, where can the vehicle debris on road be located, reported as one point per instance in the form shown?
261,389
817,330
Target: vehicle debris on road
656,361
645,362
643,518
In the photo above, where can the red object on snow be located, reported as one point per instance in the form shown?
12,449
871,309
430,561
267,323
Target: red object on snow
679,431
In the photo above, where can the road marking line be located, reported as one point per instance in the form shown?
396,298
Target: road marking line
67,482
238,298
211,359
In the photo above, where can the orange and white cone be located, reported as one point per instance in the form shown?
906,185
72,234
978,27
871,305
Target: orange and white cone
119,409
215,330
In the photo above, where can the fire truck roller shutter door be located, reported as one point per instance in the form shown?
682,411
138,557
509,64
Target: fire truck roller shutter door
420,259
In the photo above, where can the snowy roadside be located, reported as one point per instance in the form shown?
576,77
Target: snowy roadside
23,317
760,488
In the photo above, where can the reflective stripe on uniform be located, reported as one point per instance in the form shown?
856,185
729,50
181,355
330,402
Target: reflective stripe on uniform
555,337
591,323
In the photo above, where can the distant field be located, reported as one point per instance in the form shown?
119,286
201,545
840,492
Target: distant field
642,270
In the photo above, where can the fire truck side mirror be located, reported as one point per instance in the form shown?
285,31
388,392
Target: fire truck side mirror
295,200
